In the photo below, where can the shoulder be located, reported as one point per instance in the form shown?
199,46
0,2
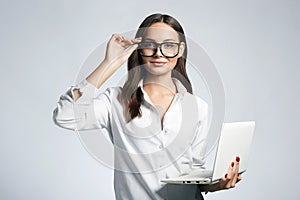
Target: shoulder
201,103
196,101
110,93
192,97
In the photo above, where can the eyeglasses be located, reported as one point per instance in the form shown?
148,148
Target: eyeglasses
167,49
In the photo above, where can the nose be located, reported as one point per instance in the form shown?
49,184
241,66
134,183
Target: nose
158,52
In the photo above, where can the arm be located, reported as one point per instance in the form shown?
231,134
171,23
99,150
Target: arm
87,112
118,51
77,109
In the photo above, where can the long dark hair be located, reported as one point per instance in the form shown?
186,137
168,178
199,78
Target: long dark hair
132,94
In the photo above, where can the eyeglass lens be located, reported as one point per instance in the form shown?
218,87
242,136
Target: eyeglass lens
168,49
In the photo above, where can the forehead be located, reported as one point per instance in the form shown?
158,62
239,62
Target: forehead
160,31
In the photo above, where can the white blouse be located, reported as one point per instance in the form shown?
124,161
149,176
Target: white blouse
145,150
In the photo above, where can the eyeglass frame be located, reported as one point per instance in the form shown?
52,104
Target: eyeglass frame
158,45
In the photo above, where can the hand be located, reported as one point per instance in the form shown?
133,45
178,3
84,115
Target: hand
232,176
229,180
119,48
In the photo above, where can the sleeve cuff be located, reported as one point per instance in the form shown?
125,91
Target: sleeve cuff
87,91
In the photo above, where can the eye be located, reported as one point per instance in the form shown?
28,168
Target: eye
148,45
169,45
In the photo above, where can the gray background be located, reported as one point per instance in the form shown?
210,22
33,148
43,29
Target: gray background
254,44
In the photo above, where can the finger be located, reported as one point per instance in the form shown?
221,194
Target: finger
131,48
137,40
237,165
230,175
236,171
125,41
119,39
224,181
128,51
116,36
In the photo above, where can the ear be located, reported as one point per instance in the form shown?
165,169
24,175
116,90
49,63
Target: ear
181,49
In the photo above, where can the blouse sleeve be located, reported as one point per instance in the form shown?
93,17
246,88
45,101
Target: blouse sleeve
87,112
199,144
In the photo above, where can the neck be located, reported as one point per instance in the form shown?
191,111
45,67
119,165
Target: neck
162,84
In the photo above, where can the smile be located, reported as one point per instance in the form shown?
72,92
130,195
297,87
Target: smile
158,63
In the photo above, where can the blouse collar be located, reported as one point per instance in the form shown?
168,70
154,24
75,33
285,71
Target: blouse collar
181,90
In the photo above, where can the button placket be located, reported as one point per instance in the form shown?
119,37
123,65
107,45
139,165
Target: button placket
164,137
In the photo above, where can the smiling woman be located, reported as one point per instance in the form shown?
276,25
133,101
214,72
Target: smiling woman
159,64
145,118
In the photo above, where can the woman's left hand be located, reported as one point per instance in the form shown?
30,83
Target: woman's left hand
228,181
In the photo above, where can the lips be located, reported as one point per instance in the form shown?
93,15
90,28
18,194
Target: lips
158,63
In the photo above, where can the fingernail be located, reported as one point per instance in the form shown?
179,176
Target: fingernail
226,175
237,159
232,164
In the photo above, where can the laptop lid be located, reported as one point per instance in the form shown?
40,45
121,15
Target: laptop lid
235,140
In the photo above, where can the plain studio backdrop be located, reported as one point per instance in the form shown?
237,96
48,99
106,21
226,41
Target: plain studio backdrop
254,45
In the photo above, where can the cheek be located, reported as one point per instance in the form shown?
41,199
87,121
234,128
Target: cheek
172,62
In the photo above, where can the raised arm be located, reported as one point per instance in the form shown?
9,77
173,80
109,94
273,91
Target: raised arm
78,109
118,50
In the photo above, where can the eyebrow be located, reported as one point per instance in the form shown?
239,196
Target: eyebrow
163,40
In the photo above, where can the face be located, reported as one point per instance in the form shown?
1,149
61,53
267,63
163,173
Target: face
160,63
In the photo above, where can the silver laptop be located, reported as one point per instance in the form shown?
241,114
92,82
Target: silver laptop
235,140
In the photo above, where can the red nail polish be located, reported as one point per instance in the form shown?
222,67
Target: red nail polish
237,159
226,175
232,164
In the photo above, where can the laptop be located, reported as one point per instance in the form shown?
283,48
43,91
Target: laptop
235,140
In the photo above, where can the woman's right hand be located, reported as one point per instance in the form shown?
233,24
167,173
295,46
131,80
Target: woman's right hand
119,48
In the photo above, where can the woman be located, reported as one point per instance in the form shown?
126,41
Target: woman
144,117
